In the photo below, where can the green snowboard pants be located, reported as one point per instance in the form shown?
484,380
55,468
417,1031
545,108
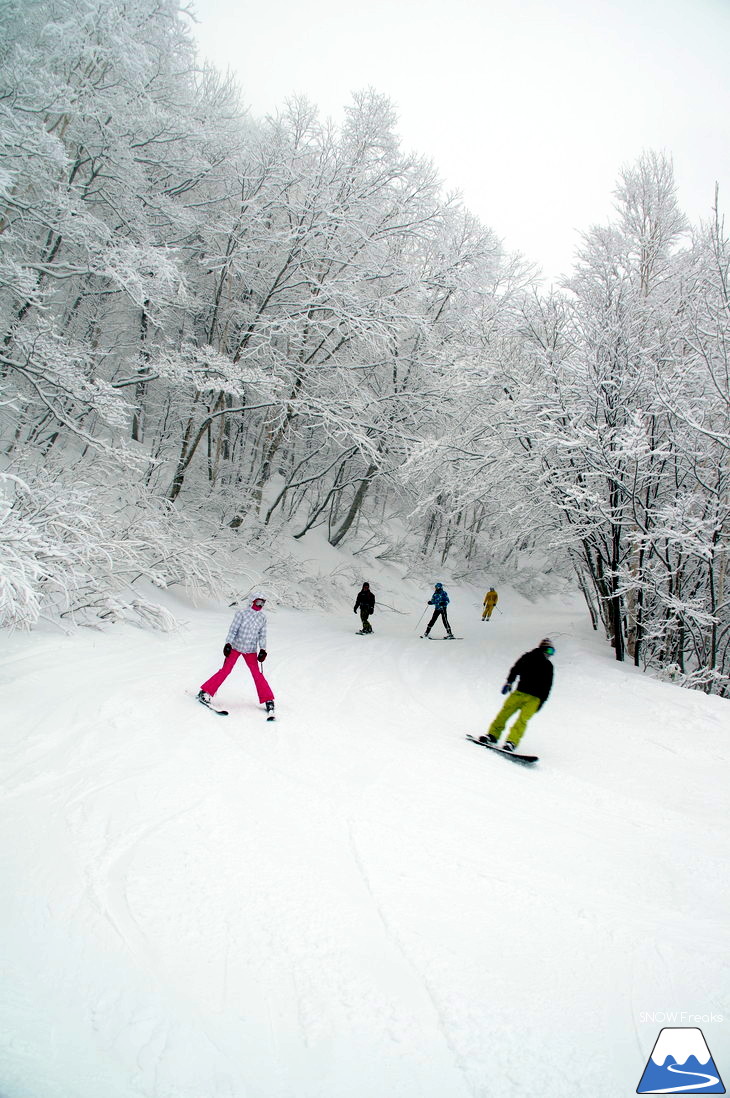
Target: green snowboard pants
526,704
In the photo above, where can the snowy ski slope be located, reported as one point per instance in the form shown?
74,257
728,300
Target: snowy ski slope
353,901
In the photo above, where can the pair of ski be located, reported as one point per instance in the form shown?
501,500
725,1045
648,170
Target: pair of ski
525,759
224,712
425,636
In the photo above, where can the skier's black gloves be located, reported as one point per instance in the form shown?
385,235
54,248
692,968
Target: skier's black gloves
506,688
262,655
227,649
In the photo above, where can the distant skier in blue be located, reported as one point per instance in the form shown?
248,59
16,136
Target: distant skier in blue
439,600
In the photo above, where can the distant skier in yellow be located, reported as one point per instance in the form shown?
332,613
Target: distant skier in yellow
490,601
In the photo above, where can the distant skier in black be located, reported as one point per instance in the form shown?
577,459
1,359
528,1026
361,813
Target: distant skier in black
439,600
535,672
365,603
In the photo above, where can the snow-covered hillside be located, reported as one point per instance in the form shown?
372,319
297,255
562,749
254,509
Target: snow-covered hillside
354,901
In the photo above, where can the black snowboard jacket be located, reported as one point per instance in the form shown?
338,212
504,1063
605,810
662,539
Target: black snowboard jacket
366,600
535,673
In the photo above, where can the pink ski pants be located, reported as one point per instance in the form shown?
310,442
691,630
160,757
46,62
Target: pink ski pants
265,692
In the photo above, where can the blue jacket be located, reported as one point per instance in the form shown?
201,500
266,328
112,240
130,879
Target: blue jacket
439,599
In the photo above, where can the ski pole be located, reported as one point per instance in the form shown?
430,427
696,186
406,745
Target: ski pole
421,618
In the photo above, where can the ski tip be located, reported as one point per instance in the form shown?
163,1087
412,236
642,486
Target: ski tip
212,708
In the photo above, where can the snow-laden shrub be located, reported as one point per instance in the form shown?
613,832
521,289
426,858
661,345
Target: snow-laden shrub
77,549
285,577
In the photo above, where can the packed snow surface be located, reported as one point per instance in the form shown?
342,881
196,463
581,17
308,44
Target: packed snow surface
354,901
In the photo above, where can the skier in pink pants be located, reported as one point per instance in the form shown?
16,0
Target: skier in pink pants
247,638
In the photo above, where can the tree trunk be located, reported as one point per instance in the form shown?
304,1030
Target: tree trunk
354,506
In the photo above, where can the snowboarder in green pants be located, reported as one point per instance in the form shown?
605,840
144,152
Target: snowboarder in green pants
535,673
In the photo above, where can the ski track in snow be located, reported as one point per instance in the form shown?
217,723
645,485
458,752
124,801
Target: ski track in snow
352,900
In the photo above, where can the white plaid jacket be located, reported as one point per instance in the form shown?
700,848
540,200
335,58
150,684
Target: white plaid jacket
248,631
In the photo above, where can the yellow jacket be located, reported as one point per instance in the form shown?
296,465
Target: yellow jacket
490,599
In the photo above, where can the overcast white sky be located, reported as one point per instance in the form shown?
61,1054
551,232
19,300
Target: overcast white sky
527,107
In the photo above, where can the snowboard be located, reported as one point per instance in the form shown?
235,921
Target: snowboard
525,759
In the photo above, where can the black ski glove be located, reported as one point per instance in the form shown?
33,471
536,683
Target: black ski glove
506,688
354,609
262,655
227,649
